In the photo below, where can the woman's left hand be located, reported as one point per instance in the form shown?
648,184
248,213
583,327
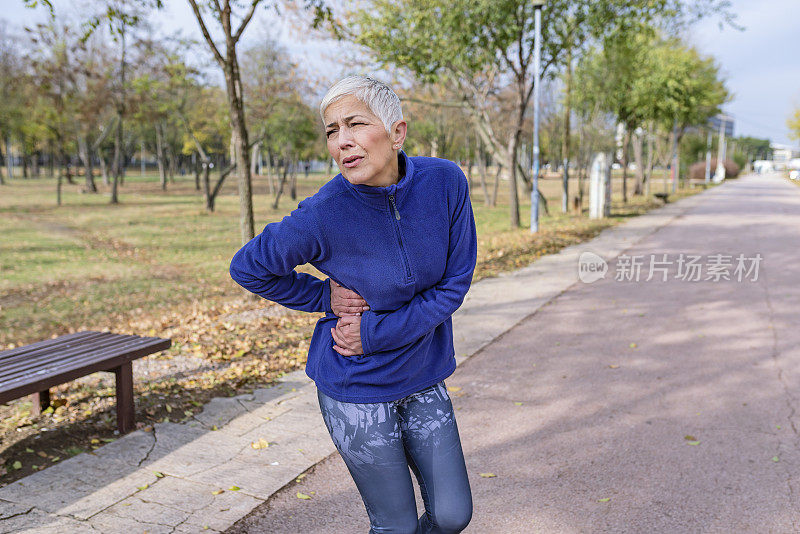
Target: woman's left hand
347,335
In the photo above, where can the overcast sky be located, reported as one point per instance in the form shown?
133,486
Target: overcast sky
761,64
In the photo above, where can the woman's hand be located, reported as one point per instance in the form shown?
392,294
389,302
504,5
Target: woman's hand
346,302
347,335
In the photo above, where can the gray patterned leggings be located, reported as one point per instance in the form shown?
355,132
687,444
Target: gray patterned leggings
379,441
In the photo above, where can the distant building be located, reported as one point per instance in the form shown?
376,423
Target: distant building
782,156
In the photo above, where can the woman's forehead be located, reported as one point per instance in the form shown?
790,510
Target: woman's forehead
346,107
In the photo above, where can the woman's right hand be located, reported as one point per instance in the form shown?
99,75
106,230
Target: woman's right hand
346,302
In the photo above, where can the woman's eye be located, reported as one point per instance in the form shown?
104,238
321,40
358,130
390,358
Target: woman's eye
329,132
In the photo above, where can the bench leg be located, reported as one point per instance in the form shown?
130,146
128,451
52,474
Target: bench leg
125,409
40,401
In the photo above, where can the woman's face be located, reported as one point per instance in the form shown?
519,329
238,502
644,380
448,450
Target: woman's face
359,144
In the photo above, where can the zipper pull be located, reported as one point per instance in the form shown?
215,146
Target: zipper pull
396,213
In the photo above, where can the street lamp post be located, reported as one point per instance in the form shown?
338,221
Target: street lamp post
537,53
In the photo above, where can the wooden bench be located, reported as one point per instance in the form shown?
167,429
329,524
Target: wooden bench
34,369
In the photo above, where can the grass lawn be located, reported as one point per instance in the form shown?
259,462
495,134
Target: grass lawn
157,264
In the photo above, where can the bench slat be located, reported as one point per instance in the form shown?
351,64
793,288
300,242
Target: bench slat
19,388
22,362
8,353
96,352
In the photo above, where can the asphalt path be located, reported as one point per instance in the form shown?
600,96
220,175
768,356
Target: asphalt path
630,406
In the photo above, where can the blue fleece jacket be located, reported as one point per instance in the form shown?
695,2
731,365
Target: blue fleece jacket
409,249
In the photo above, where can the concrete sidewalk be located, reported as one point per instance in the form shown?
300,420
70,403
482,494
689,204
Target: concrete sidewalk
169,480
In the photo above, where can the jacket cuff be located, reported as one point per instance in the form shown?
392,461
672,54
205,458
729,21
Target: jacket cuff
326,296
367,317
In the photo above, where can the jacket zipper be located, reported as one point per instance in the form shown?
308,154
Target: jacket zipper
400,238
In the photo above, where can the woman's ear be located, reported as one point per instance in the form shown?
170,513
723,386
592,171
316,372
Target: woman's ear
399,130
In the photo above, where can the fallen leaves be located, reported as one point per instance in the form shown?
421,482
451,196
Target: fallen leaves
303,496
260,444
488,475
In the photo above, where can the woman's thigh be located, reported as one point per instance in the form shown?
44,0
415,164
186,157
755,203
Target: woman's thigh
430,435
368,437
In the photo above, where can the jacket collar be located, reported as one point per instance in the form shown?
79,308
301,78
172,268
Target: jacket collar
377,196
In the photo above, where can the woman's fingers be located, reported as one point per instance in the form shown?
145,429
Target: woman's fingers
341,346
341,339
337,338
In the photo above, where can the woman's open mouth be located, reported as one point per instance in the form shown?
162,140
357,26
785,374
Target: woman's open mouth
351,161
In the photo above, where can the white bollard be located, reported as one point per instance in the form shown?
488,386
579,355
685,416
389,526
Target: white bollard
600,186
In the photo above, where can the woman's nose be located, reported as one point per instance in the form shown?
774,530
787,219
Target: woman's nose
345,138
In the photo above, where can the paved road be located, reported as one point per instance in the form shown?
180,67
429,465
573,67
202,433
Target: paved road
714,362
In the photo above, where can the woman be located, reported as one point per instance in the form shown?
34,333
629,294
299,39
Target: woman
396,237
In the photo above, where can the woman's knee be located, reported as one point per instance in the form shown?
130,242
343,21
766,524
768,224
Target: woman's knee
453,518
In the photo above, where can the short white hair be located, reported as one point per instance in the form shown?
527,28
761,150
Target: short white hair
378,97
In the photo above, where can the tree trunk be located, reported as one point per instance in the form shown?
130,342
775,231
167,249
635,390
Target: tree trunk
160,156
254,158
86,157
293,188
637,156
496,184
197,170
9,159
482,173
565,143
207,186
513,202
626,141
103,165
2,180
240,140
172,166
118,140
270,173
117,165
58,187
69,170
35,171
280,187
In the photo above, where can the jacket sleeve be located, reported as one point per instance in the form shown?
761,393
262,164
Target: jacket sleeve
382,331
265,265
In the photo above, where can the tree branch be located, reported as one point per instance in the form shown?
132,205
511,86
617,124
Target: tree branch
246,20
199,16
224,174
